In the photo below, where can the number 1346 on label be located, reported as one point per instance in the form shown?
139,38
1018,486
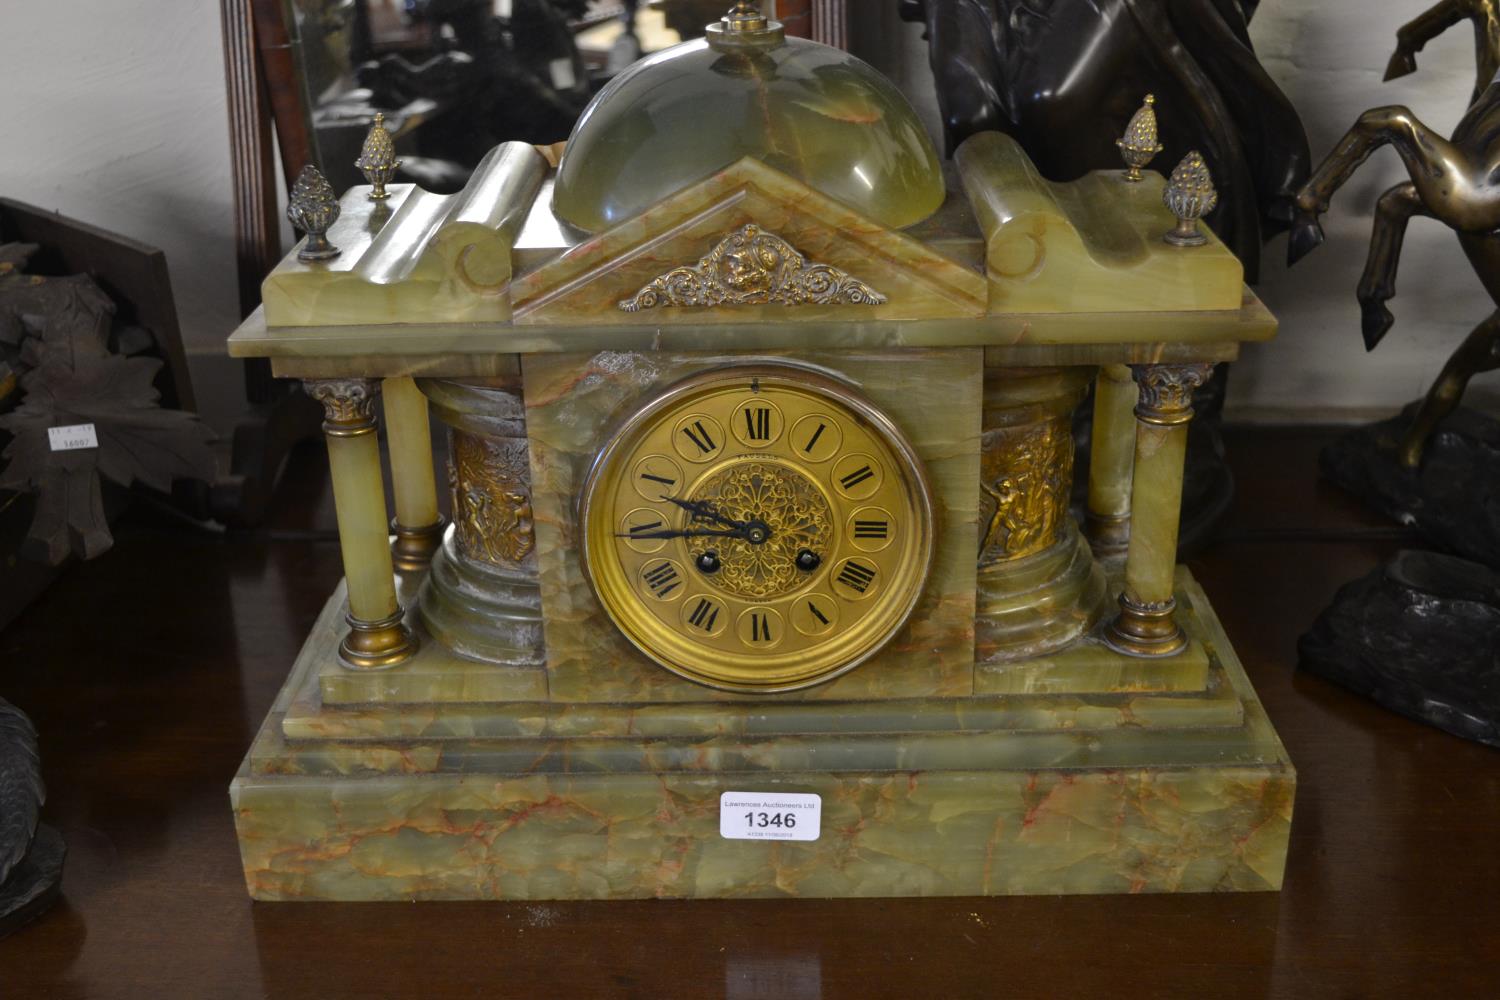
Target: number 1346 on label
770,816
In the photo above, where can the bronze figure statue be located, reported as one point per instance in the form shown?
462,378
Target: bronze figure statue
1417,634
31,853
1061,76
1416,33
1456,181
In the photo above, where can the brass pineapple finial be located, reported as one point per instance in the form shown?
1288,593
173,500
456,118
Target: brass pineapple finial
377,159
312,208
1140,145
1190,195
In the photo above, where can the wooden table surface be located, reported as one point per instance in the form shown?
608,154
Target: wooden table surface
148,670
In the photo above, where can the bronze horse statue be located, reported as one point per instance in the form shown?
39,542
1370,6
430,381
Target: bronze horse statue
1456,181
1416,33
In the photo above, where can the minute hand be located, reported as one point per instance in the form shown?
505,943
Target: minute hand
694,533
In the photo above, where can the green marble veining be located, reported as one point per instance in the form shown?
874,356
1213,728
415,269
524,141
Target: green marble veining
885,835
934,397
586,283
1092,243
1040,604
432,675
1155,502
463,349
418,256
1203,803
1069,695
1090,666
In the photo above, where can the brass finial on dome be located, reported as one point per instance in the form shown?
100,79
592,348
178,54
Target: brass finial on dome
1140,144
745,16
377,159
745,24
1190,195
312,207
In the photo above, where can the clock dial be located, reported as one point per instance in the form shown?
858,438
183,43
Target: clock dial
758,528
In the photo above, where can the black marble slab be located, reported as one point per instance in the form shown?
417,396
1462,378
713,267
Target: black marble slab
1419,636
1453,500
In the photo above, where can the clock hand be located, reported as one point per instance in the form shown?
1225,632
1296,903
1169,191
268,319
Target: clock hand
704,510
694,533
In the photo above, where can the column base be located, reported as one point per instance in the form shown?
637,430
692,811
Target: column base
378,644
1108,534
1148,630
413,548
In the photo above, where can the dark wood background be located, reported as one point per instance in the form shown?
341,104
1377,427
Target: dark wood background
148,671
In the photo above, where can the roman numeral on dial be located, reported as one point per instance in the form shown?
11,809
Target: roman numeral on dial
856,577
705,615
700,436
816,437
758,423
654,477
859,475
638,527
870,529
815,614
662,578
760,628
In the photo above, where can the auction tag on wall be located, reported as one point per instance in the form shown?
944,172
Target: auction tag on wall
72,437
770,816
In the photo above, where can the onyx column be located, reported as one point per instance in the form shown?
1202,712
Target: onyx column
377,635
1147,624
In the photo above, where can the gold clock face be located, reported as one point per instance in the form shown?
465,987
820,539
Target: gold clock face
758,528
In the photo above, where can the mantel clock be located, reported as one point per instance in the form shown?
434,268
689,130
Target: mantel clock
759,474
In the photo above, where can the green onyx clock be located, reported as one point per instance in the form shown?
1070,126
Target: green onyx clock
757,528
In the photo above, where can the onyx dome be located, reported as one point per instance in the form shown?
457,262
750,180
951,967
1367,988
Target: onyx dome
809,110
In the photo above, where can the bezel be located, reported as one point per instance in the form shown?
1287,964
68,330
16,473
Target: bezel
846,648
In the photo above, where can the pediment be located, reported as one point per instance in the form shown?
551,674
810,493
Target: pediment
749,244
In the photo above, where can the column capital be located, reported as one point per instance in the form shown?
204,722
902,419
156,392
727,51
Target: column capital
1166,391
348,404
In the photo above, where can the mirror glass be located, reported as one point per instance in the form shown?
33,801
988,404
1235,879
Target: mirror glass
456,77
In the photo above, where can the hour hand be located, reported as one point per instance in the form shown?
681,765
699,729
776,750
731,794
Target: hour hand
703,510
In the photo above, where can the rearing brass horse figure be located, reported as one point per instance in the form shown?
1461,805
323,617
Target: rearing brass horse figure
1456,181
1412,36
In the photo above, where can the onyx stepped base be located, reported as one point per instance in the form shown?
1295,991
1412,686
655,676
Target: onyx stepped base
1084,772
